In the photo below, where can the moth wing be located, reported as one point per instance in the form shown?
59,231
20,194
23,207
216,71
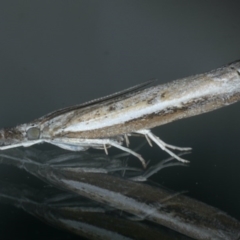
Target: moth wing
98,100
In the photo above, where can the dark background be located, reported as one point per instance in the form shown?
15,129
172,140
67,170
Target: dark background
59,53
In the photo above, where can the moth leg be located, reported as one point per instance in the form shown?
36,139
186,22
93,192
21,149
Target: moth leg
164,146
105,149
23,144
126,140
11,146
30,143
115,144
68,146
148,140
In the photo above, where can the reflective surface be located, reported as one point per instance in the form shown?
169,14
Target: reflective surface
117,196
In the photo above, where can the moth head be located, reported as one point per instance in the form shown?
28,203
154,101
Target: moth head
21,135
10,137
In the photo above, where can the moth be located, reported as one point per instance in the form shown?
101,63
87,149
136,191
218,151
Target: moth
111,120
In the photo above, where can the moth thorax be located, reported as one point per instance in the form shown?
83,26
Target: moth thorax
33,133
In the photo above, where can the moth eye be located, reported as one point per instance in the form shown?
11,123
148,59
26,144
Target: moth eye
33,133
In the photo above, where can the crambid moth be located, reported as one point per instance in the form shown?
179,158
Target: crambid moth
109,121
